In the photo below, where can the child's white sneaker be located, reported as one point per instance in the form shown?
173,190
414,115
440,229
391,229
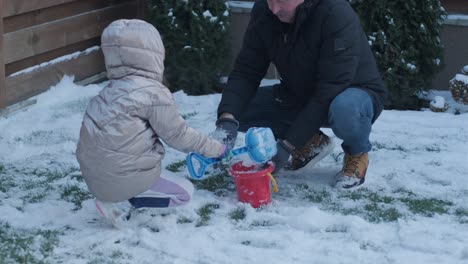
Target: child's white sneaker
116,213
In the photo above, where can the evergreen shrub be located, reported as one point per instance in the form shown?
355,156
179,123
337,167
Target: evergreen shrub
195,35
404,36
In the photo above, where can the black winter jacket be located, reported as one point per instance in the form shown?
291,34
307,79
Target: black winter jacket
324,52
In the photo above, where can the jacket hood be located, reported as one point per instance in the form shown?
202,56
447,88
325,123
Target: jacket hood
133,47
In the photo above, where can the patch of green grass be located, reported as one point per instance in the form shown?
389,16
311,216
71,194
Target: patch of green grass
49,239
35,197
373,213
116,257
119,255
371,205
336,229
404,192
77,177
32,184
427,206
377,213
75,174
184,220
374,206
75,195
36,183
48,174
462,215
188,115
237,214
154,229
176,166
220,184
433,148
377,145
7,183
366,194
205,213
369,246
434,163
45,137
378,207
318,196
262,223
26,246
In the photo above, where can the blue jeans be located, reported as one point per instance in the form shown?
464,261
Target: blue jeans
349,116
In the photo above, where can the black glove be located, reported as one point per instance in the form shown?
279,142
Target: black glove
228,127
282,155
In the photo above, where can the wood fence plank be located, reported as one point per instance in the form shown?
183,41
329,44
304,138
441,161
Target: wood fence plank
32,41
29,19
48,56
21,87
2,64
15,7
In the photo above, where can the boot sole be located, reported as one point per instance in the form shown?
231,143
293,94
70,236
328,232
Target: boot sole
326,151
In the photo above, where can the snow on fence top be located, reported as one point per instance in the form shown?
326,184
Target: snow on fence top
457,20
45,40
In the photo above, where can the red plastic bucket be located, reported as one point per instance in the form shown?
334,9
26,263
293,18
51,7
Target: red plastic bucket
253,183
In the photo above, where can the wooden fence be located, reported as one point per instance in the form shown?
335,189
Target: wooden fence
38,31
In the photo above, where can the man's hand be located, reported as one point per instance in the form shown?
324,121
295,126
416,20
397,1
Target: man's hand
284,150
228,126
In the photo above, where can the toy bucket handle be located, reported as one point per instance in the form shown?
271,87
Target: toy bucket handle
273,181
204,162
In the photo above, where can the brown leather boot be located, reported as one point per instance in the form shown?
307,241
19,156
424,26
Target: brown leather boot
354,170
319,146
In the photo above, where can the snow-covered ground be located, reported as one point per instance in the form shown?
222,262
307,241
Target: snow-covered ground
413,207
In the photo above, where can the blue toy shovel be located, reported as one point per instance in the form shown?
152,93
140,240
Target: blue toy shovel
260,144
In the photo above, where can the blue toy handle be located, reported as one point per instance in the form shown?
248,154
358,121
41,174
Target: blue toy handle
204,162
239,151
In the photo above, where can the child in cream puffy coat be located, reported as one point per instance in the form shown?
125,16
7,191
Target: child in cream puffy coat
120,149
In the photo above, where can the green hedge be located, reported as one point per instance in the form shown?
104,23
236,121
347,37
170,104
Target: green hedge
195,35
404,35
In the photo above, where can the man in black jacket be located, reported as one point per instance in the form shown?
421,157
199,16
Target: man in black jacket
328,76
